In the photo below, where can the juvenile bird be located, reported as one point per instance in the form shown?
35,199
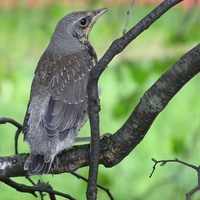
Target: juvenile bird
57,108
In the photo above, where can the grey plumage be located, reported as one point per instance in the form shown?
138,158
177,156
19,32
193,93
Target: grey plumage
58,101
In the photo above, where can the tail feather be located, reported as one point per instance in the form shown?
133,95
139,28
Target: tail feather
36,164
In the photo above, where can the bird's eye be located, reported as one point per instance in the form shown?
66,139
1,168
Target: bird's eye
83,22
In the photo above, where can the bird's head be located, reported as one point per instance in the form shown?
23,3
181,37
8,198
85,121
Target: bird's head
78,24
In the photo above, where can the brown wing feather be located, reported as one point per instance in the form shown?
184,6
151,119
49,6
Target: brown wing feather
68,95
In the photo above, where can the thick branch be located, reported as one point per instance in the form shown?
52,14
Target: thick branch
116,147
152,103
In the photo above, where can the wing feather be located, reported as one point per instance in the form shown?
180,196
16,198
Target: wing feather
68,100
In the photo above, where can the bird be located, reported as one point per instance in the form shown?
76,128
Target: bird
57,107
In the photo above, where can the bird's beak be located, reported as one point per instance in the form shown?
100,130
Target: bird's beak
98,13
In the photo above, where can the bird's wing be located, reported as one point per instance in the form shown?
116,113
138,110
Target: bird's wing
68,98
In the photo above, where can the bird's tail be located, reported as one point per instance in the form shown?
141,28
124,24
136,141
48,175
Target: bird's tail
36,164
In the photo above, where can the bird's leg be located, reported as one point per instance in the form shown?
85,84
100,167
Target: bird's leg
88,139
83,139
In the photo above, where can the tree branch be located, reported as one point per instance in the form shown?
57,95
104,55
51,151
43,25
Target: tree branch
93,103
121,43
196,168
98,185
176,160
18,131
40,187
114,148
93,112
152,103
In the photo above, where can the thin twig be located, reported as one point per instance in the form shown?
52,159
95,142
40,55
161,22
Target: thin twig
176,160
19,129
32,182
193,191
164,162
40,187
11,121
19,187
129,14
17,133
98,185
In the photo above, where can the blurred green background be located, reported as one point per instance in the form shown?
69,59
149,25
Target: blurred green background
24,34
